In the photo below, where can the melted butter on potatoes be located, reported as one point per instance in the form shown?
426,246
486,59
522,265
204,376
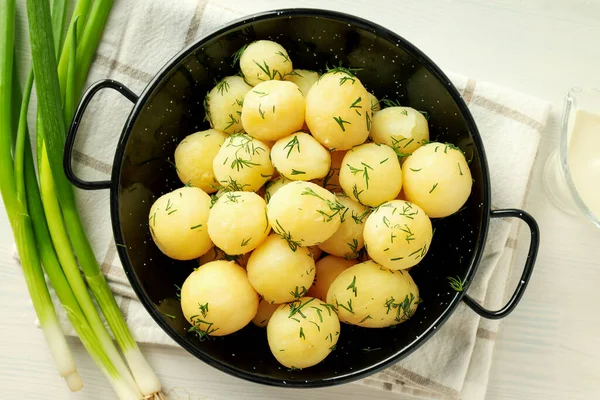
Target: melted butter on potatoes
373,296
303,333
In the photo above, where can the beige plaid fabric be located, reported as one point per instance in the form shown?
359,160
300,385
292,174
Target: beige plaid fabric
144,34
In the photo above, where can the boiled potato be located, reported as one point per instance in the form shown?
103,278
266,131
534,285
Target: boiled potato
274,185
372,296
272,110
243,163
348,239
264,60
304,214
303,78
397,234
265,310
194,157
402,128
315,252
338,110
371,174
238,223
216,254
303,333
437,178
278,272
327,269
178,222
223,104
331,181
206,307
375,106
299,157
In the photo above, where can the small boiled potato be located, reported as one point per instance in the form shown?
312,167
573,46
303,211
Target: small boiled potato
216,254
272,110
243,163
217,299
274,185
303,333
402,128
178,221
194,157
304,214
238,223
331,181
264,60
299,157
265,311
278,272
437,178
371,174
303,78
373,296
316,252
223,104
348,239
375,106
328,268
338,110
397,234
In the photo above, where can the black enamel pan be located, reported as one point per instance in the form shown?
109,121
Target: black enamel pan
170,108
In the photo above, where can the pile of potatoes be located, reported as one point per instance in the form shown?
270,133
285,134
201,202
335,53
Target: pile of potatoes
306,205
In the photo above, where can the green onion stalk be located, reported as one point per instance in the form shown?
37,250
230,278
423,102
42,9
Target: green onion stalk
55,186
15,201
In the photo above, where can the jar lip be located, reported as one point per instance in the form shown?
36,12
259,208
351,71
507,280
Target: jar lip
569,113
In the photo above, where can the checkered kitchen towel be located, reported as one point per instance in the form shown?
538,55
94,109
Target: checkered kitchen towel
142,35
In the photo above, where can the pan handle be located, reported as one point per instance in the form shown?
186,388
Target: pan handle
70,142
527,270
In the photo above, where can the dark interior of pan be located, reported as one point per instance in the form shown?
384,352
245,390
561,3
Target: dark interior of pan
171,108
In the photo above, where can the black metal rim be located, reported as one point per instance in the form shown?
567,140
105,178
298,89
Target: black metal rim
117,164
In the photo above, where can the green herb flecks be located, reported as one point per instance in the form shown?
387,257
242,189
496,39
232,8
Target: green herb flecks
356,103
238,54
433,188
287,236
296,172
456,283
284,56
365,318
340,121
290,146
196,227
335,207
364,170
353,287
271,74
299,292
245,242
347,306
222,87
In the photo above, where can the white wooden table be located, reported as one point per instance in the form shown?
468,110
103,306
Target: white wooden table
549,348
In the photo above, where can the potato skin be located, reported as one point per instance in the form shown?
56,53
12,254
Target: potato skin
243,163
437,178
204,305
264,60
238,223
402,128
178,222
398,234
303,78
274,185
304,214
223,104
273,110
194,157
371,174
372,296
278,273
327,269
303,333
299,157
340,124
264,313
348,240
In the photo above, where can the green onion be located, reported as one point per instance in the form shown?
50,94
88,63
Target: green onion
15,203
54,183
